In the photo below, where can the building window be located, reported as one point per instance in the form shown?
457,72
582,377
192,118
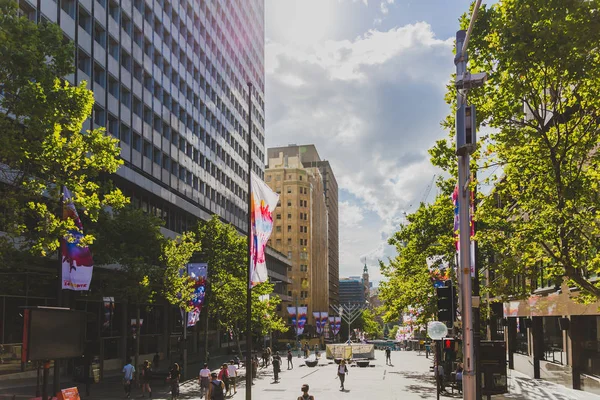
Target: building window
289,216
278,228
84,62
289,203
289,189
289,254
289,241
68,6
278,216
99,34
99,115
85,20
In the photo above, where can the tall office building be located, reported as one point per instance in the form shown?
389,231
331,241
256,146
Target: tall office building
170,81
301,229
309,158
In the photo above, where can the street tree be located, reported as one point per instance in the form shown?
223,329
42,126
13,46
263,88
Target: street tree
371,326
425,242
226,253
541,103
42,144
129,242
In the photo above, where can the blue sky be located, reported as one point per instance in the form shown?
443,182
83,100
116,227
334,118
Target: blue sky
363,80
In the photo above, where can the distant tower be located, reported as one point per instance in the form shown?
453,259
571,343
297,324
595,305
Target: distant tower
365,279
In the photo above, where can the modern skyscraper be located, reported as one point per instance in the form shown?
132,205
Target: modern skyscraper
301,229
170,81
309,157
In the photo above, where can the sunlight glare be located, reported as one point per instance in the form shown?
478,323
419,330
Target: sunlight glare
302,22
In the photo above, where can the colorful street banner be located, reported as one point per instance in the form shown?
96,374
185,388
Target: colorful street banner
263,202
335,323
320,320
301,318
109,310
197,272
77,263
457,227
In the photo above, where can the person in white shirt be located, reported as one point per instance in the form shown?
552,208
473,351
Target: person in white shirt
233,371
128,371
204,379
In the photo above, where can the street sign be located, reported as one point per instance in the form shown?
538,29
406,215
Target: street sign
437,330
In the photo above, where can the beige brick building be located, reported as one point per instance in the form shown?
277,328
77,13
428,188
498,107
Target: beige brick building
301,230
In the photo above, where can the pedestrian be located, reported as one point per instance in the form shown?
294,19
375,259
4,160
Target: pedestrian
224,376
276,366
204,379
269,354
236,360
305,395
388,356
342,372
306,349
439,372
156,361
427,349
128,371
459,376
232,371
288,346
215,389
146,378
289,358
264,357
174,377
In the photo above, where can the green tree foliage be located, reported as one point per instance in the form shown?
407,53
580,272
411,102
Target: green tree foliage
428,235
225,251
371,326
542,102
393,332
42,146
177,287
131,241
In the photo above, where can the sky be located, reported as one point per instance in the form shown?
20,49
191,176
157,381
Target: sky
364,81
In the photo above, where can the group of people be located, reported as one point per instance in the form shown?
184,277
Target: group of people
441,377
145,378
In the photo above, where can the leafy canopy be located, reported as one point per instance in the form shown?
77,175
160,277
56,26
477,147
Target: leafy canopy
42,146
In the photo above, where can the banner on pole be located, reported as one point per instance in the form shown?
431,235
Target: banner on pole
263,202
320,320
301,317
197,272
335,323
77,263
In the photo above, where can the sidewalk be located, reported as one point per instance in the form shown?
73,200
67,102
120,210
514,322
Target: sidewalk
111,386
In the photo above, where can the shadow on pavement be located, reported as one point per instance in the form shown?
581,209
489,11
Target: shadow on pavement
424,386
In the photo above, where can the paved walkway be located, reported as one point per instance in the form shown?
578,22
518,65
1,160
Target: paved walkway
409,378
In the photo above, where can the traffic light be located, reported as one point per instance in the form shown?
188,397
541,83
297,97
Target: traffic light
448,344
446,302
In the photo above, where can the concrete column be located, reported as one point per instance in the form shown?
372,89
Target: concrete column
575,358
511,339
537,332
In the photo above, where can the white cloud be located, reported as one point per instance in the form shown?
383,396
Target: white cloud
350,215
372,106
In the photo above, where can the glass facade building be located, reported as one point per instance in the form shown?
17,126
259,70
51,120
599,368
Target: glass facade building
170,81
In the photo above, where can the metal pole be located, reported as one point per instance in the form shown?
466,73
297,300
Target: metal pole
185,350
477,308
297,343
249,288
464,271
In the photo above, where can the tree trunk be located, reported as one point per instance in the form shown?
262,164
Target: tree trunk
137,340
237,339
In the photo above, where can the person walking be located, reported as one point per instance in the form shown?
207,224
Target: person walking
305,395
174,377
342,372
269,354
128,371
439,372
388,356
146,378
224,376
215,389
276,366
427,349
290,359
254,367
204,379
232,371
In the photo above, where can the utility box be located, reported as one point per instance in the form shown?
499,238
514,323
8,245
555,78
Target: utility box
466,139
493,367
